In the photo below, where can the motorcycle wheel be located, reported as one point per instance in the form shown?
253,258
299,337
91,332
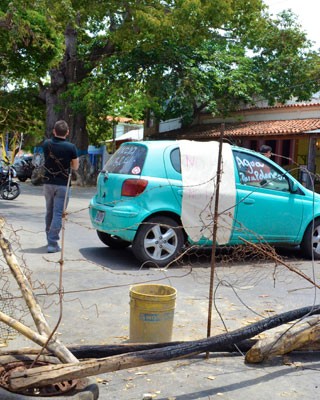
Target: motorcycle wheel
10,191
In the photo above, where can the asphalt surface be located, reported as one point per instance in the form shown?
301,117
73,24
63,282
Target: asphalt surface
95,310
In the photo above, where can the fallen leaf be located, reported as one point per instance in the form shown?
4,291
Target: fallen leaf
102,381
129,385
149,396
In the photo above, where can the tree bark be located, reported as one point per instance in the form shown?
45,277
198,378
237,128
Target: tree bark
71,71
102,351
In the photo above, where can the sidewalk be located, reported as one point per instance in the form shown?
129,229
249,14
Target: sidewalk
97,280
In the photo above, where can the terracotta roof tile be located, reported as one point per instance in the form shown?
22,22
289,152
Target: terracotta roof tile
277,106
259,128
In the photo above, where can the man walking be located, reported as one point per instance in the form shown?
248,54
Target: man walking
60,157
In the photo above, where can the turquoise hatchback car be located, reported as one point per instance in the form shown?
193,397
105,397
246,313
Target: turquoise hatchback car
158,197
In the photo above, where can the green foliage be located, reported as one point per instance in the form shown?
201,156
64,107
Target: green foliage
174,57
22,111
284,63
29,43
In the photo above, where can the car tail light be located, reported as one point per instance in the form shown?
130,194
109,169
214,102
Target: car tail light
133,187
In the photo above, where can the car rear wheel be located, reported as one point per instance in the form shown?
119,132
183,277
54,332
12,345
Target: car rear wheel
158,241
112,241
310,244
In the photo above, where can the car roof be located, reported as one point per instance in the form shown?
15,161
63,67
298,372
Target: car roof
158,144
153,143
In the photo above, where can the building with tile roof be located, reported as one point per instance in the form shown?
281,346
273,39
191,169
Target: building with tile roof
292,130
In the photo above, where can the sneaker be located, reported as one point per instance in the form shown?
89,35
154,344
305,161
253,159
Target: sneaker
54,249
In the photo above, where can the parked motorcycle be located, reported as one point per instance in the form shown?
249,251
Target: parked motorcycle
24,167
9,189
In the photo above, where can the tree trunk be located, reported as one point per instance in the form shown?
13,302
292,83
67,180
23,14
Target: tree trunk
70,71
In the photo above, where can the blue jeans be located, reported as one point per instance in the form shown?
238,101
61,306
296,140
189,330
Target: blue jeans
55,199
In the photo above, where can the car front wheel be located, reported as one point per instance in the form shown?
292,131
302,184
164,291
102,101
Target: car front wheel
310,244
112,241
158,241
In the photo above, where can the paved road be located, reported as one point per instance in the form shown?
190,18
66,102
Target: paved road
97,280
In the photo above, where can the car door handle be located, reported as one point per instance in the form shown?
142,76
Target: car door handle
248,201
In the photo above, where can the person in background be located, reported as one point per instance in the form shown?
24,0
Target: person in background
266,150
60,156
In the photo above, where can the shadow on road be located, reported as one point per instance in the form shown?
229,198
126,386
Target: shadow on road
111,258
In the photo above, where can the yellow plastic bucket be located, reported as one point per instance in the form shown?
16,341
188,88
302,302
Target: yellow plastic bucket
151,313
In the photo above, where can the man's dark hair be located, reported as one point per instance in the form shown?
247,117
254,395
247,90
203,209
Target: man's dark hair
61,128
265,149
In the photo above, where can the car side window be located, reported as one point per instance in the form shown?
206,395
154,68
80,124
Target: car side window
176,159
255,171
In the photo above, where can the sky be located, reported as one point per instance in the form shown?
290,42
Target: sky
308,12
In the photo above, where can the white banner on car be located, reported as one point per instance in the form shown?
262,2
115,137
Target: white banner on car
199,172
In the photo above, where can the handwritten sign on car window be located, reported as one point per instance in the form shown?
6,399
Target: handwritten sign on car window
253,170
128,159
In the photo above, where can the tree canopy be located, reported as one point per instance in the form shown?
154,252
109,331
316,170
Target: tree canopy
83,60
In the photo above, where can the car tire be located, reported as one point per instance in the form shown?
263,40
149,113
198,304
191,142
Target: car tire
22,179
158,241
310,244
112,241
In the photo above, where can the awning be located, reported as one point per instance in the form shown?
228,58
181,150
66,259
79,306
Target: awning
135,134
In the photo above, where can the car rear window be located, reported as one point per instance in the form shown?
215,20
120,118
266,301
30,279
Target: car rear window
128,159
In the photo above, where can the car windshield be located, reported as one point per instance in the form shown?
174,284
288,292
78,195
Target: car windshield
128,159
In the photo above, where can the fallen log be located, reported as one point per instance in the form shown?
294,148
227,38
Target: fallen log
101,351
42,376
296,336
98,351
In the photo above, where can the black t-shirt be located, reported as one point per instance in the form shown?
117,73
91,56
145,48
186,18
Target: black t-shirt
58,154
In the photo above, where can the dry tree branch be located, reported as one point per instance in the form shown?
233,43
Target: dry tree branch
60,350
280,261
